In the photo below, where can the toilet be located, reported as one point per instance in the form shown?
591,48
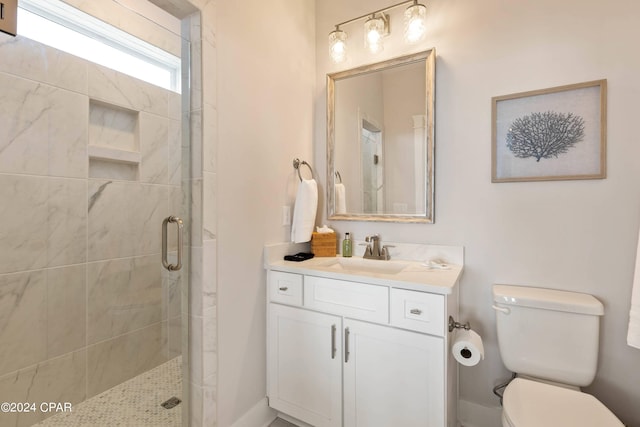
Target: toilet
549,338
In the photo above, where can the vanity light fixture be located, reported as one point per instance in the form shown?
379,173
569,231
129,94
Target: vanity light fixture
414,22
338,45
376,27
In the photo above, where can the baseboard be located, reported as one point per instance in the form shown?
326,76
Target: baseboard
260,415
474,415
293,421
470,414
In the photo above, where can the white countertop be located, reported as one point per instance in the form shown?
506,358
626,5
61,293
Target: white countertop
415,276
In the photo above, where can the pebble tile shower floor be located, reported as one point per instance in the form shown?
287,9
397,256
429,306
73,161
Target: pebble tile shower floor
134,403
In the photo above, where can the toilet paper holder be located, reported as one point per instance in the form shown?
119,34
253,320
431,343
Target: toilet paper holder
457,325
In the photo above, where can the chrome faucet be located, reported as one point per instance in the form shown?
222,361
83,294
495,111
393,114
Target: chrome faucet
373,250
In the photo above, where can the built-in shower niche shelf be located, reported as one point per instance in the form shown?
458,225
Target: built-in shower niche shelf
113,163
114,155
114,147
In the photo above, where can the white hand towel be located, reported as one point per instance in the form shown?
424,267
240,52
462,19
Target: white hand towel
341,198
633,336
304,211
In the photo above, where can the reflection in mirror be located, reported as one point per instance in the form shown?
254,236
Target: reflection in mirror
380,140
372,174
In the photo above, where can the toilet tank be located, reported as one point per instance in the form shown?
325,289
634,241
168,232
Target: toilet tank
548,334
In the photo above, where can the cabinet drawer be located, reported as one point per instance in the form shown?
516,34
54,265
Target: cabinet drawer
285,288
418,311
350,299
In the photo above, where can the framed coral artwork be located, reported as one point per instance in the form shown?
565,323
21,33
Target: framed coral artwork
550,134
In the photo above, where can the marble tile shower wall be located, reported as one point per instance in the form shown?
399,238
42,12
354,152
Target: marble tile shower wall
84,302
203,334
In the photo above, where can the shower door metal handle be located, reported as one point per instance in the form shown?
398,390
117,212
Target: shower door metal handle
180,226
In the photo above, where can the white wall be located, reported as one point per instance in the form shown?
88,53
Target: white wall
574,235
266,71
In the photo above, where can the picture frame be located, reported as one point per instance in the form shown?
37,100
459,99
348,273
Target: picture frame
550,134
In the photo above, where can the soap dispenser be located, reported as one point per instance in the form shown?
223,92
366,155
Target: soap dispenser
346,245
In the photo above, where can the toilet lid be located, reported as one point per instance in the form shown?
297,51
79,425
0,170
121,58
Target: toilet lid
529,403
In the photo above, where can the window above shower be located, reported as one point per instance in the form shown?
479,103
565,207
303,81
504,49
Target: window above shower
63,27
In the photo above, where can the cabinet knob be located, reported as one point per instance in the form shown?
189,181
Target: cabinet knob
284,289
416,311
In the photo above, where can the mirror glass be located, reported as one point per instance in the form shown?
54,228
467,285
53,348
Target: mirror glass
380,140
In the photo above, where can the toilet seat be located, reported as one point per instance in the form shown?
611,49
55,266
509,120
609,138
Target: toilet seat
528,403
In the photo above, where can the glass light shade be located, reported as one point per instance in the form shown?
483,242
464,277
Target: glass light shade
338,45
374,30
415,23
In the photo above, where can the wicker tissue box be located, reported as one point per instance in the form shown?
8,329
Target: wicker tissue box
324,244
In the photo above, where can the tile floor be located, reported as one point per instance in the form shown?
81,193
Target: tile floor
134,403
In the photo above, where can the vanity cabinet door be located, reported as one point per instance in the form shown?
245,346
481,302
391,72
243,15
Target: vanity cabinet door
392,377
305,365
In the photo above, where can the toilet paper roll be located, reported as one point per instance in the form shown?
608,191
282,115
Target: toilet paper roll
467,347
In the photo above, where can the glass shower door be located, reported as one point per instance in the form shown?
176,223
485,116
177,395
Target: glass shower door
92,161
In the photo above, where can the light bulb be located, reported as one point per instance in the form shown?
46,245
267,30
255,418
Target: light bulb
373,37
338,45
415,27
374,29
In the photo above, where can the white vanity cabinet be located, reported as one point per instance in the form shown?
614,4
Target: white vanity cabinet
392,377
352,354
305,365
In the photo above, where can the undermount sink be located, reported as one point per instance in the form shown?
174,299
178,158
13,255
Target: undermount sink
366,265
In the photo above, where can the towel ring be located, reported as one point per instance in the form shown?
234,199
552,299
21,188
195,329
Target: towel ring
339,177
296,166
